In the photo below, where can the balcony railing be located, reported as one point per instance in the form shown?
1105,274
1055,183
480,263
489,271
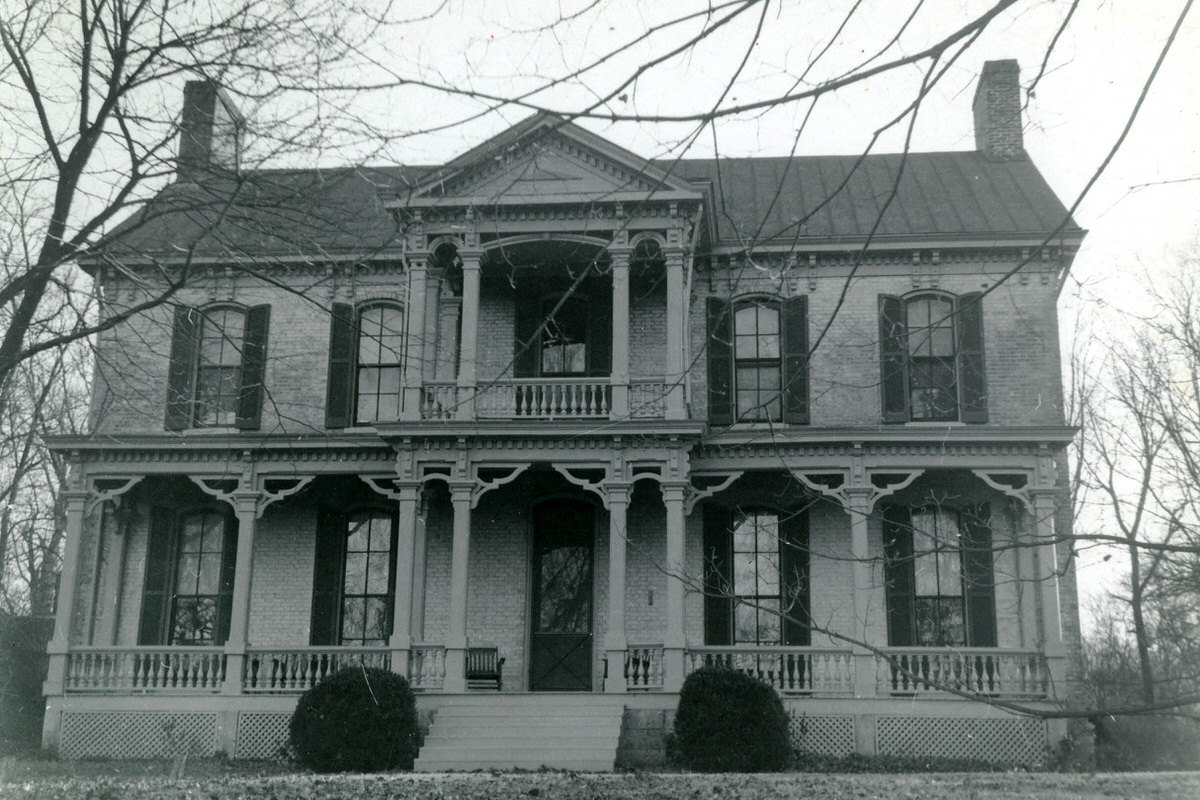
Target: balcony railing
983,671
643,667
791,670
545,398
183,670
647,399
301,668
427,667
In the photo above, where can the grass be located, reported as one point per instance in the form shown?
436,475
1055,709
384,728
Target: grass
213,779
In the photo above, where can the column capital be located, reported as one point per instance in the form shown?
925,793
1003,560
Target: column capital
461,491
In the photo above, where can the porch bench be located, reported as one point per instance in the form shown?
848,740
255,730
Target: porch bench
484,668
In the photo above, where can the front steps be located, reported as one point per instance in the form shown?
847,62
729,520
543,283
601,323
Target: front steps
523,731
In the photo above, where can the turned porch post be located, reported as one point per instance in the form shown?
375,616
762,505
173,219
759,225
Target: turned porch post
469,338
620,335
245,506
674,641
400,640
676,314
456,637
75,501
861,502
614,634
414,350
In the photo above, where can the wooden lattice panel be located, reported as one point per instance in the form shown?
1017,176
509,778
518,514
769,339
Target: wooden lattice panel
825,736
261,734
136,734
1007,741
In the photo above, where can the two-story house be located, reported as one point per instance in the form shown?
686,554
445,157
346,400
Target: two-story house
549,426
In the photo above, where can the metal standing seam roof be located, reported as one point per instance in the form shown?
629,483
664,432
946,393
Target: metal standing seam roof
307,213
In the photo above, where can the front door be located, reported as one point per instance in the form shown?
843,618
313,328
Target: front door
561,642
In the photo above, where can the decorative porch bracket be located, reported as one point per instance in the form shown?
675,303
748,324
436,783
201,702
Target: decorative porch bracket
1015,484
721,481
123,484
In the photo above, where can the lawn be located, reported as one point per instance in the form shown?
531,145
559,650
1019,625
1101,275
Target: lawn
219,780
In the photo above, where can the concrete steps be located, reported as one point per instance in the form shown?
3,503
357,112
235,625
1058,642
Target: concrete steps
523,731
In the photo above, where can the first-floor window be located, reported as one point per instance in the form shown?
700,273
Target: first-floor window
354,579
756,571
188,587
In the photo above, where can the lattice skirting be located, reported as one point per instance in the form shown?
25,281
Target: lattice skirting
137,734
1009,741
825,736
261,734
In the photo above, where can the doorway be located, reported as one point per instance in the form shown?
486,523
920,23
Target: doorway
560,657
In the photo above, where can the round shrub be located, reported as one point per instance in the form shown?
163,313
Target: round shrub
360,719
728,721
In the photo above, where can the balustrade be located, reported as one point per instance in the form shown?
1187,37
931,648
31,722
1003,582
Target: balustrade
439,400
985,671
301,668
643,667
145,669
427,667
791,670
558,398
647,399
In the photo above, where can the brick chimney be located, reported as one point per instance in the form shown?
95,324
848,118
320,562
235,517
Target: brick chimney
209,132
997,109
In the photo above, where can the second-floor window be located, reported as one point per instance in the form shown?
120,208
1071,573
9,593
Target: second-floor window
217,367
559,336
931,347
758,360
366,364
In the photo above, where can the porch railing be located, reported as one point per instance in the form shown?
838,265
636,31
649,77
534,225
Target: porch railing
647,399
558,398
145,669
985,671
643,667
299,669
427,667
439,400
791,670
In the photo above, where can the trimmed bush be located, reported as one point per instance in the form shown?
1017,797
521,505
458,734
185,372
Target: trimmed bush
730,722
360,719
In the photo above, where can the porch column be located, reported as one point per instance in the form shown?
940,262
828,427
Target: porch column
676,314
674,641
1044,510
620,335
400,640
414,350
245,504
614,633
456,636
75,501
860,507
468,342
115,532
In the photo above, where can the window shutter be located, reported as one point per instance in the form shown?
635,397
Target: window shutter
254,366
720,362
898,572
979,578
972,377
893,352
600,332
156,589
528,312
795,360
228,567
793,578
718,577
327,578
182,370
339,394
406,602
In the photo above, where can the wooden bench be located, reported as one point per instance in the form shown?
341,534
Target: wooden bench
483,668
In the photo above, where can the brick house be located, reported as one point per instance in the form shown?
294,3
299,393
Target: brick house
549,426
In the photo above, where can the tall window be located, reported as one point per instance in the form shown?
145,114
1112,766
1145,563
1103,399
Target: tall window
217,367
380,360
932,358
354,583
755,577
757,367
758,360
564,340
188,587
939,577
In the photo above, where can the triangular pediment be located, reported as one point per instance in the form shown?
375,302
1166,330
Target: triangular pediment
546,159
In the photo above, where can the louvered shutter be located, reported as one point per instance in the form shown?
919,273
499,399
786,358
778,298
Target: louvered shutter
893,358
793,579
979,577
720,362
181,373
972,376
898,572
228,568
156,587
718,577
528,318
327,578
339,393
795,360
254,367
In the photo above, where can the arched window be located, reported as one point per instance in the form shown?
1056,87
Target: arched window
366,364
758,373
758,360
219,368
